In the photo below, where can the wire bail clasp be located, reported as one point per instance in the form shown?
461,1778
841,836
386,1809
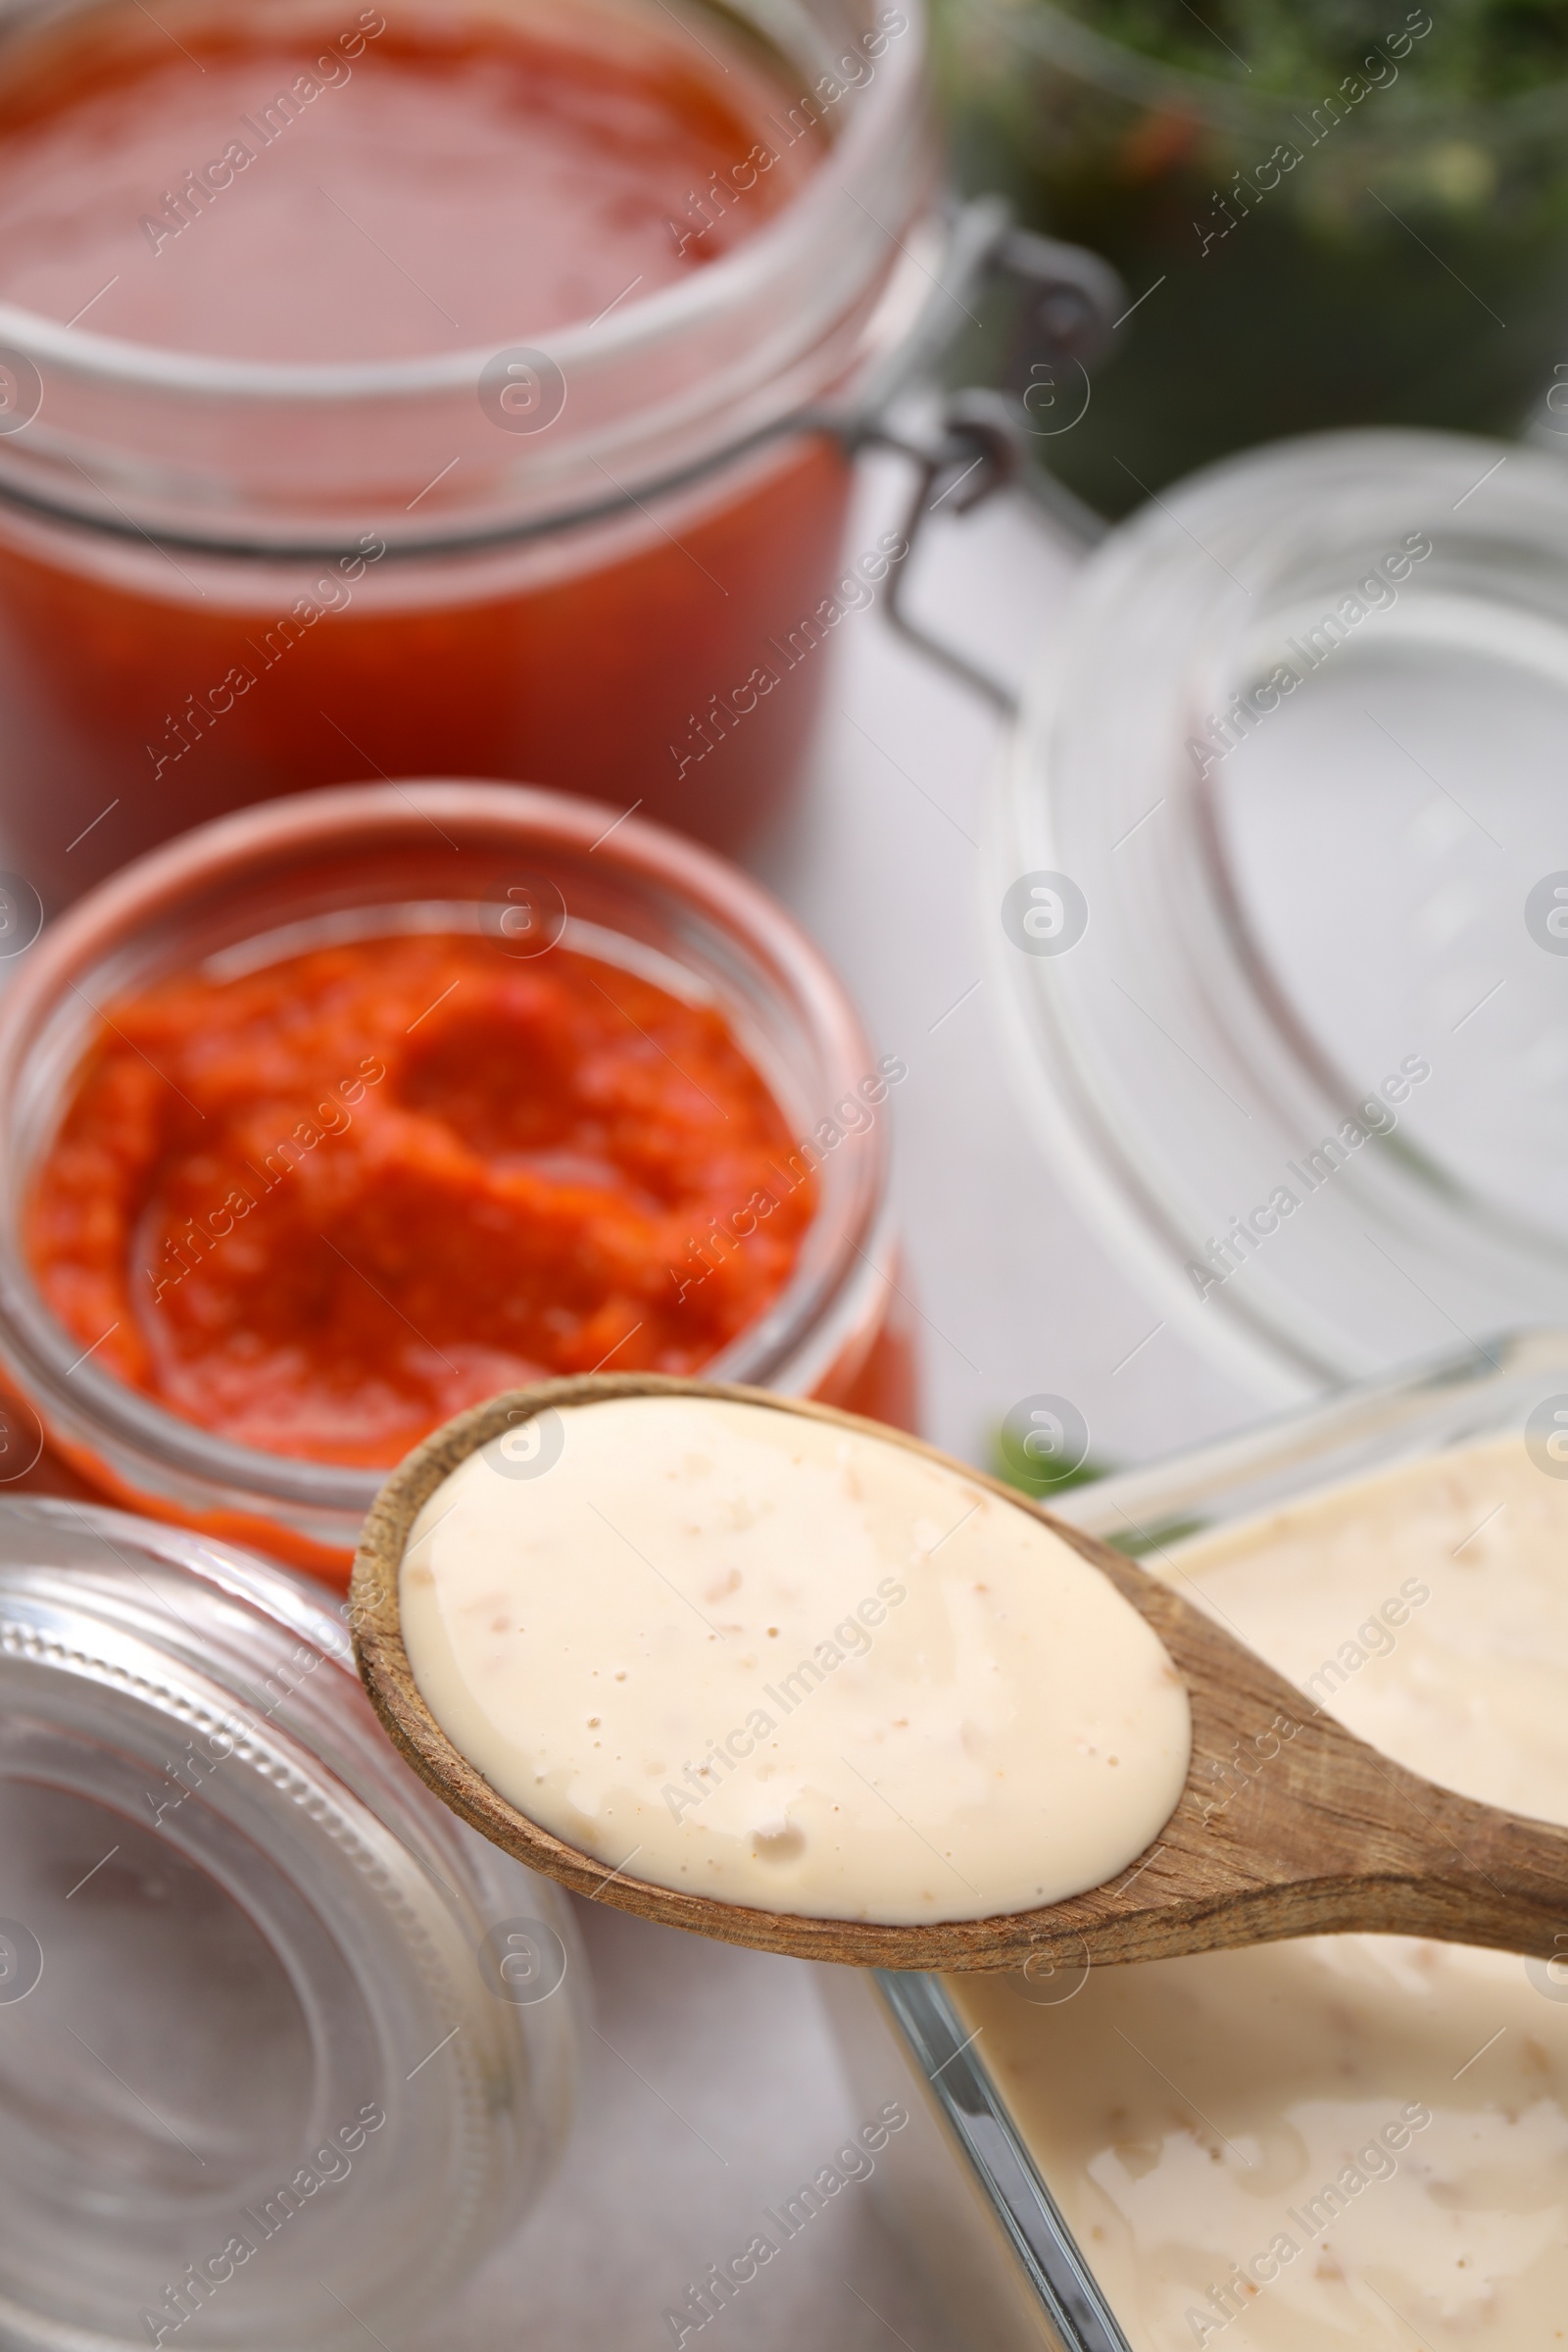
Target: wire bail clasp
978,443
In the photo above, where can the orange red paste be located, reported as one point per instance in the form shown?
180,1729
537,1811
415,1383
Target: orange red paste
320,1207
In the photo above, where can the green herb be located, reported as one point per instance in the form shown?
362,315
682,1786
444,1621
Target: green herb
1009,1462
1138,1543
1479,49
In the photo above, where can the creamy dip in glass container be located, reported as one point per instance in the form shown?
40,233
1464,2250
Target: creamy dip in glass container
1350,2140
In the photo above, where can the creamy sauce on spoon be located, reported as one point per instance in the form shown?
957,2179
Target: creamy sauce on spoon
755,1656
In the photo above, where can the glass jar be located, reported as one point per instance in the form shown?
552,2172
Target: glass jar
1377,247
960,2186
1276,877
284,2050
367,861
221,580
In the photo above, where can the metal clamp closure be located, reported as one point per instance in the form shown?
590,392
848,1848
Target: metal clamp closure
979,443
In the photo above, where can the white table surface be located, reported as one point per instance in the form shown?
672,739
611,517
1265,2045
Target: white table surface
710,2087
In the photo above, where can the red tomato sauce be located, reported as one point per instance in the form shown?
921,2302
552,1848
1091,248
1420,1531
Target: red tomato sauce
686,678
321,1207
299,186
360,187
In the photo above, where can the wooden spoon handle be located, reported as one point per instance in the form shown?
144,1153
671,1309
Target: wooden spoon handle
1508,1881
1292,1826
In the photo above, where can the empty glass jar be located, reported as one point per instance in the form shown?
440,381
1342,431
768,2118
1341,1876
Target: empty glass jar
284,2048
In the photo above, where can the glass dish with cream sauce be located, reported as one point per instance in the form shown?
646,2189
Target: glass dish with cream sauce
1347,2143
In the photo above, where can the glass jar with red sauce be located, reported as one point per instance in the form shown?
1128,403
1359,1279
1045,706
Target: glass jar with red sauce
432,387
348,1110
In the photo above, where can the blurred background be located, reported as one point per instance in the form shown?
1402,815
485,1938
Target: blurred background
1326,214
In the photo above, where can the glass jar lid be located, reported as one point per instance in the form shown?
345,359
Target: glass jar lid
270,2070
1283,886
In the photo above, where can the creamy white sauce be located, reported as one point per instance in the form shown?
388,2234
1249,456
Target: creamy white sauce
1357,2141
746,1655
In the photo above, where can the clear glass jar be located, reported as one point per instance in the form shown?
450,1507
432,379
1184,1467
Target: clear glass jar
583,605
1299,1037
367,860
1379,246
284,2050
960,2186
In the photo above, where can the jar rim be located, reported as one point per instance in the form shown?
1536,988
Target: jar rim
844,1235
682,307
291,1600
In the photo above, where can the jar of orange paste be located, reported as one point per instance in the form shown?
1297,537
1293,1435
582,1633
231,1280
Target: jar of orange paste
435,386
600,1101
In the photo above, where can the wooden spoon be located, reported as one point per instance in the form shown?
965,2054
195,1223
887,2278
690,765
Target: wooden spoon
1288,1825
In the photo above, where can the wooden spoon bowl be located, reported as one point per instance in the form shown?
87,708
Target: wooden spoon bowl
1288,1825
